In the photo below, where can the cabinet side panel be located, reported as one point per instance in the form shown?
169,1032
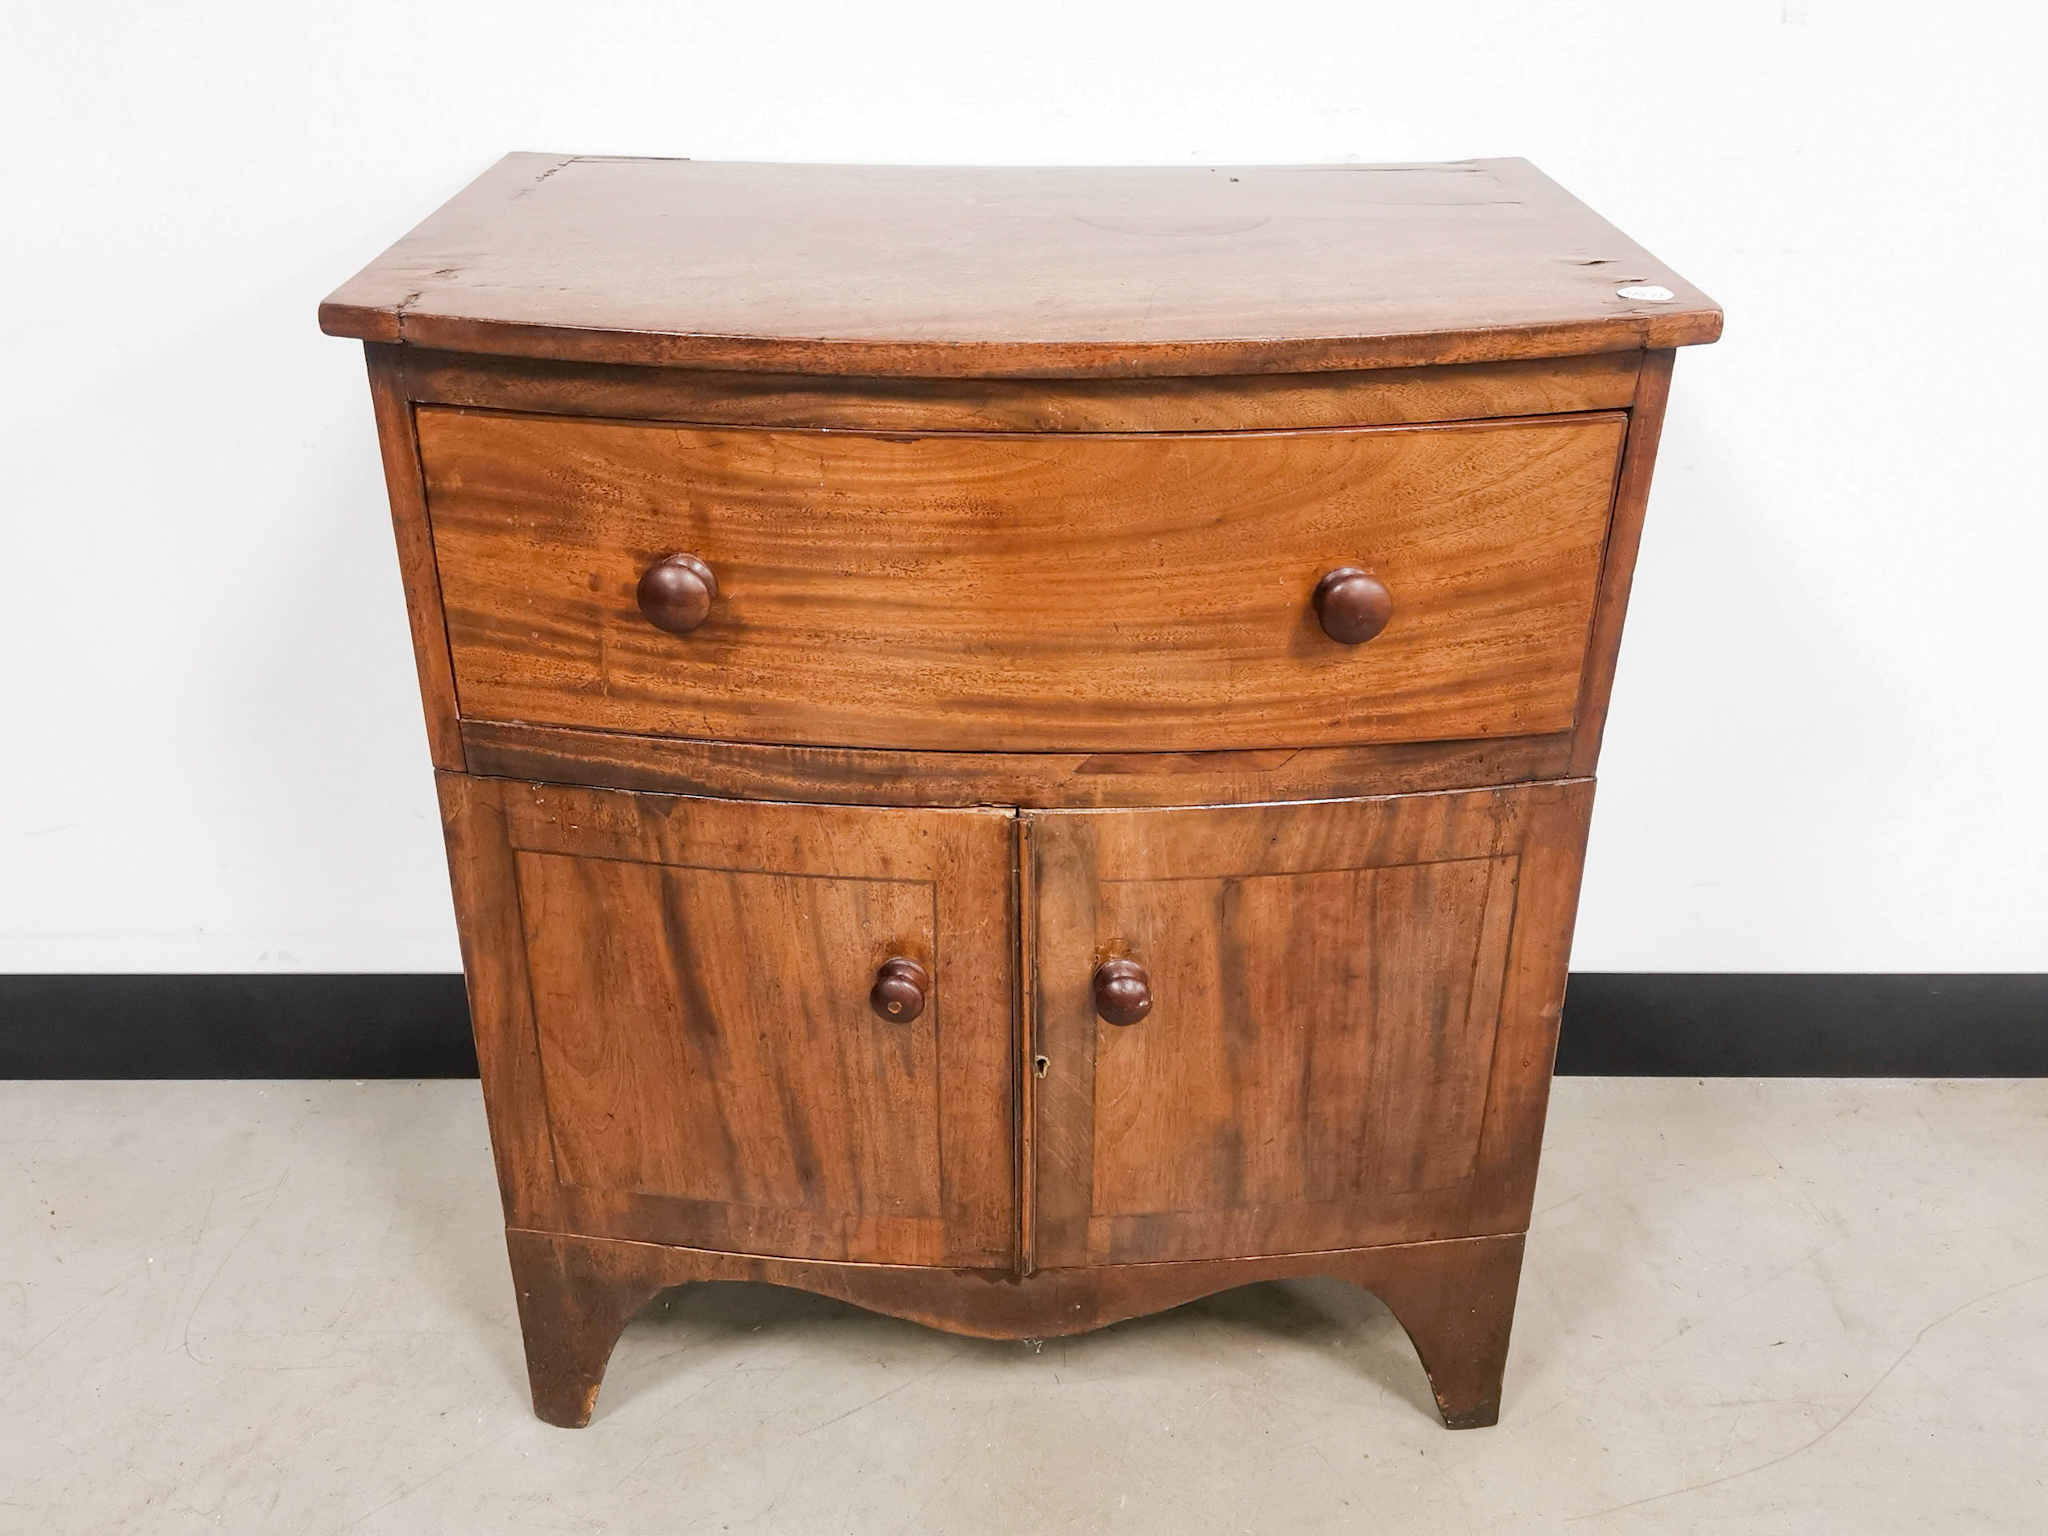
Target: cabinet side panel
398,441
1618,565
480,866
1532,1001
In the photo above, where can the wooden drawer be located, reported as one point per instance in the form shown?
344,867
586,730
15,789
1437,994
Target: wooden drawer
1021,592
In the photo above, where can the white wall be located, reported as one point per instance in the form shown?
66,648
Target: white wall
1827,749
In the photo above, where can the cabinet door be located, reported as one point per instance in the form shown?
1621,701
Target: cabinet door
673,1017
1353,1013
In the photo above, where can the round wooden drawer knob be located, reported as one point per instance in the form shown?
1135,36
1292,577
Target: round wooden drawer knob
900,987
1352,606
1123,992
676,593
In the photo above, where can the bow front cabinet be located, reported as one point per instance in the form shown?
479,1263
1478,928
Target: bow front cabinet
1016,745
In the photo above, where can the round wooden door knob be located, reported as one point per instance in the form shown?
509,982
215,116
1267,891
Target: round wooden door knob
1352,605
900,988
1123,992
676,593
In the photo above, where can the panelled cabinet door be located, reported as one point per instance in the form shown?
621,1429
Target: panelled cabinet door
678,1014
1346,1017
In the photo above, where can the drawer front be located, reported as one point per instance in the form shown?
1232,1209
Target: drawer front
1021,592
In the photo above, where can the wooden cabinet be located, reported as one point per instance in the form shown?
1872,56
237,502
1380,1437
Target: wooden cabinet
1036,780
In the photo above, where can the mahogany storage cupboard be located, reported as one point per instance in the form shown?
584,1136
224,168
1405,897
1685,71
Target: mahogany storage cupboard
1016,744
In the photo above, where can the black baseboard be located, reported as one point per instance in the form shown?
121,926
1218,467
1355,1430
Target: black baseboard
1615,1022
1656,1024
372,1025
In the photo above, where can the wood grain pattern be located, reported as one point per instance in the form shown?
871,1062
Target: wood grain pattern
1552,855
1025,272
1042,780
1456,1300
575,1297
483,875
1333,983
1084,593
1618,567
1030,1064
708,1045
407,492
1375,397
877,610
703,1056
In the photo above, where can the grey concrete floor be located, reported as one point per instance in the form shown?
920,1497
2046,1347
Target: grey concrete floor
1749,1306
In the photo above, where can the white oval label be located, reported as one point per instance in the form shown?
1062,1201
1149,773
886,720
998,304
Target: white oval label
1647,293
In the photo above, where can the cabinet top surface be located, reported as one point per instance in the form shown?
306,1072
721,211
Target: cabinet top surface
951,272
